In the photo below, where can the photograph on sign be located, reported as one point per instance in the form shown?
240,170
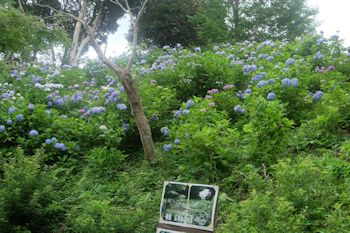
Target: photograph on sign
162,230
189,205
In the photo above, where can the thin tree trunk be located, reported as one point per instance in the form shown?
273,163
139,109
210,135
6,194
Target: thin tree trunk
84,42
236,20
20,6
53,54
139,115
76,34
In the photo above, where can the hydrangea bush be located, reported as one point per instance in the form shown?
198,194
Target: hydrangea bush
267,121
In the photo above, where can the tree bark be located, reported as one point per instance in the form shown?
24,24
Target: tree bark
236,20
76,34
139,115
134,101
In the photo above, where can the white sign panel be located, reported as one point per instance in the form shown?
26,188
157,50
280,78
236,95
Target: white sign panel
189,205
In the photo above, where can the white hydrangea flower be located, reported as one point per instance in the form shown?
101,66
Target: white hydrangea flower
204,194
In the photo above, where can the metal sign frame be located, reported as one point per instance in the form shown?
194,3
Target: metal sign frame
185,222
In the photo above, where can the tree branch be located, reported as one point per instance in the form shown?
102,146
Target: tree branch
135,27
119,4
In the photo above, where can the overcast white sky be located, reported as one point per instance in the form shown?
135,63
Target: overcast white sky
334,15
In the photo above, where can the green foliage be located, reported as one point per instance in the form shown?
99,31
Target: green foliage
210,22
268,122
23,34
28,196
303,195
166,22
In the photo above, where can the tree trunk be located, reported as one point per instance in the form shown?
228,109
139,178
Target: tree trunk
76,34
82,46
139,115
236,20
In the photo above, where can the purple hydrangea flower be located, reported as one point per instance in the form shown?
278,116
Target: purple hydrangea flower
228,87
331,68
198,49
248,91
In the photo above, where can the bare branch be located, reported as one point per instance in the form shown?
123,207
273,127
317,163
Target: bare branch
20,6
66,14
92,39
119,4
135,27
141,11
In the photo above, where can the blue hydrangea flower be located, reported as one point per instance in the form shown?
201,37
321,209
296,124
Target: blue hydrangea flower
33,133
185,112
271,96
240,95
125,126
30,107
256,77
177,113
189,103
177,141
248,91
239,109
165,131
11,110
286,82
2,128
262,83
48,141
270,58
290,61
167,147
319,55
318,95
121,106
198,49
19,117
294,82
60,146
9,122
231,56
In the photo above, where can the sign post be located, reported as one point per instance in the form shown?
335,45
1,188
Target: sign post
188,208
